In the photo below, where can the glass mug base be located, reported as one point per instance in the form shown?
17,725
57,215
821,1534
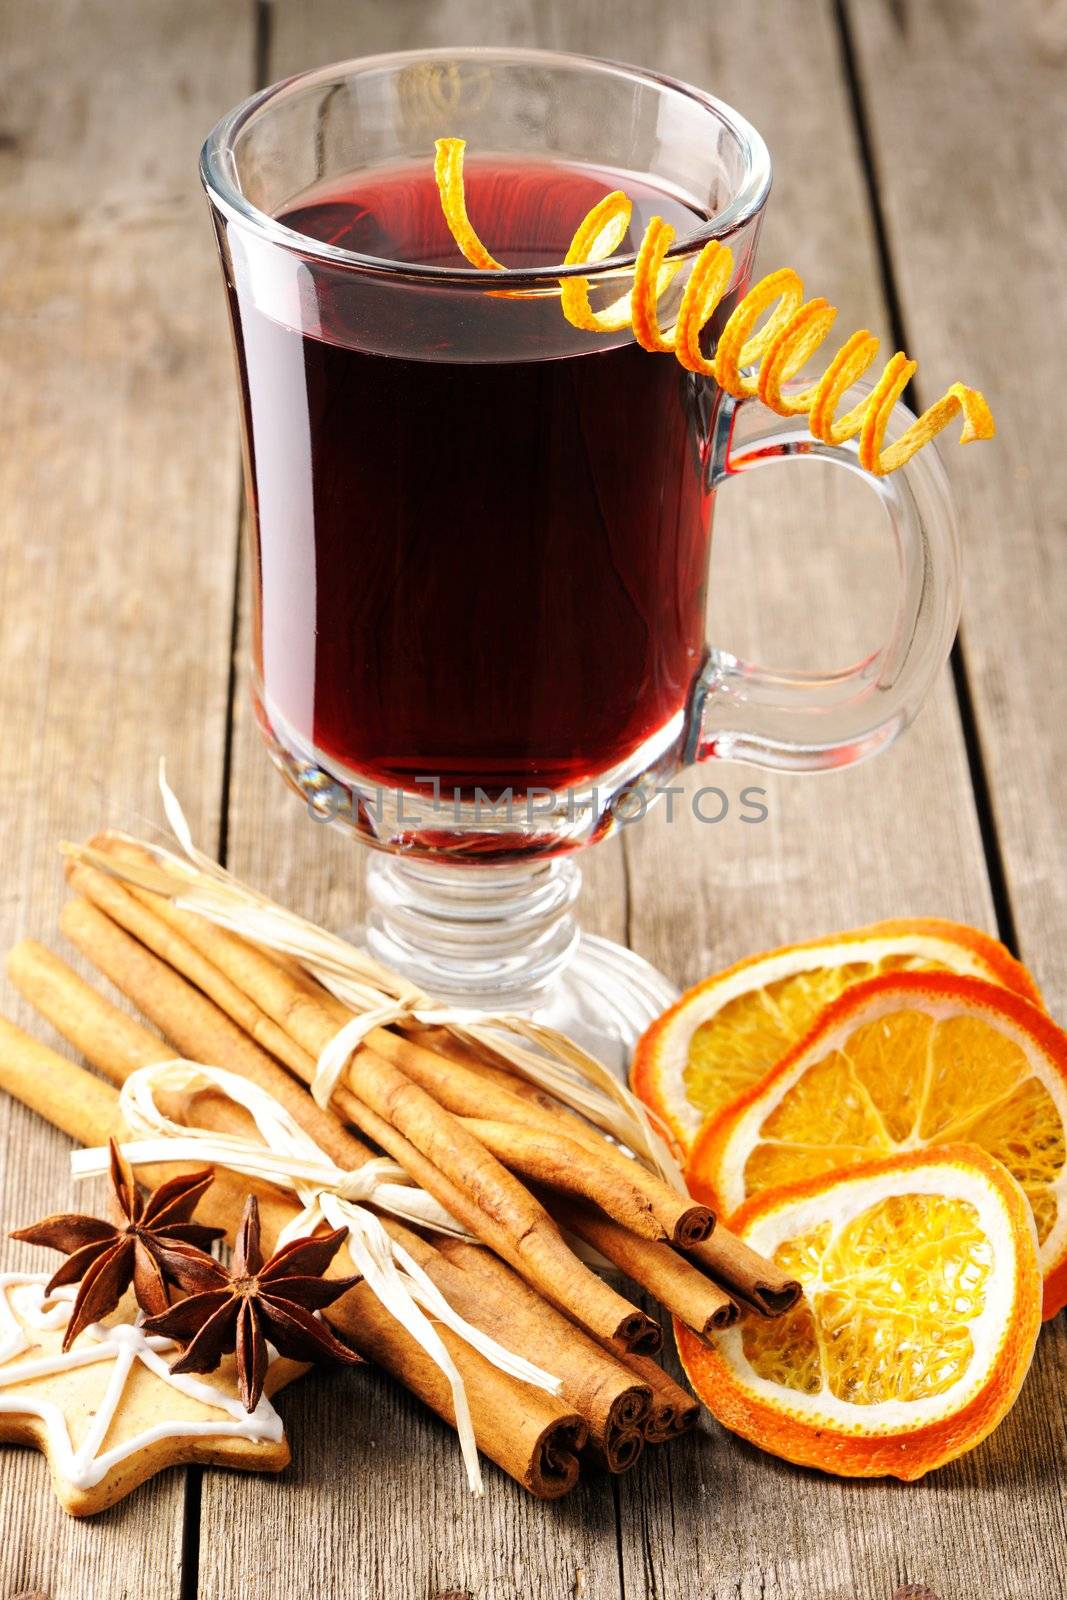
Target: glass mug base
499,939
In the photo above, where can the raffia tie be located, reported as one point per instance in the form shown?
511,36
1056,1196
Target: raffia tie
335,1056
285,1155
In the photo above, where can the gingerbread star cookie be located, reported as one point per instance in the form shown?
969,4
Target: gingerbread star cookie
108,1413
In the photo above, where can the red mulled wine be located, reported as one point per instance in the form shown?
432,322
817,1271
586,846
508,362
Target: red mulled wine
480,560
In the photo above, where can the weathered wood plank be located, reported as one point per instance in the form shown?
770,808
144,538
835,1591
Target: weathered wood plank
895,837
117,498
376,1503
966,103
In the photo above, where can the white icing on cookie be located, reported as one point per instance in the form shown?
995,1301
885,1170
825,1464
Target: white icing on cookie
23,1303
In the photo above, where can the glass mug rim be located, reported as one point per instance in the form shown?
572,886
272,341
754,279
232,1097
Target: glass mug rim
218,167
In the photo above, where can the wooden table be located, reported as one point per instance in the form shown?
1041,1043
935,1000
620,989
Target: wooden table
920,185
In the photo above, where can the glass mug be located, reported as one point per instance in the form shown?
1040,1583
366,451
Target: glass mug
481,536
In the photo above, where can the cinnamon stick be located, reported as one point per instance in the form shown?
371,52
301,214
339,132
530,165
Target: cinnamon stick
171,946
531,1435
109,1039
192,1023
493,1091
597,1382
494,1205
490,1295
84,1107
115,1044
502,1211
59,1091
465,1091
469,1088
563,1164
177,1009
745,1273
627,1448
749,1276
535,1437
673,1410
287,996
678,1285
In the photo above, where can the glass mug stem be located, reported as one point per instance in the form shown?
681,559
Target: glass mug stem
474,933
507,939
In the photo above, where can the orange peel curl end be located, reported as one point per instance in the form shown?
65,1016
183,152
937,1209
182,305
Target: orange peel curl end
448,171
977,419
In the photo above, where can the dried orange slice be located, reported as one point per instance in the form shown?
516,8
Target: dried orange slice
905,1062
920,1314
724,1034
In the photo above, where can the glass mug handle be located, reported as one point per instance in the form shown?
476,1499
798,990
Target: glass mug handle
811,721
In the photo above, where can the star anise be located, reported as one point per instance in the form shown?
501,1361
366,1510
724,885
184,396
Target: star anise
237,1310
106,1257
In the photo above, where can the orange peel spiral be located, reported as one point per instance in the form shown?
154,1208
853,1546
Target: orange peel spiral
751,360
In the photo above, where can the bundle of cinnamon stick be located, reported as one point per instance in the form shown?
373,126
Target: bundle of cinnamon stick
525,1176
